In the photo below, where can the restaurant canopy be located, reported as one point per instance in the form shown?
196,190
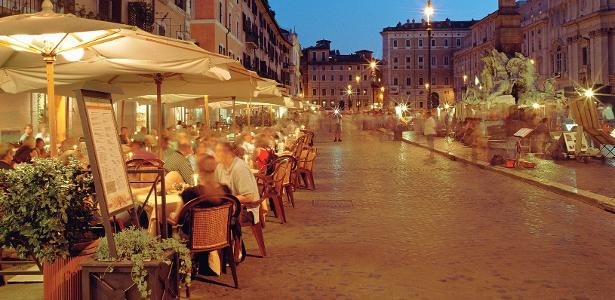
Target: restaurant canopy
46,48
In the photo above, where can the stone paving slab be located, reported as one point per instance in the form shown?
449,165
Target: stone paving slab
592,183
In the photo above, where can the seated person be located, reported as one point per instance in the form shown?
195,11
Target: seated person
6,156
40,148
236,174
139,151
26,152
175,161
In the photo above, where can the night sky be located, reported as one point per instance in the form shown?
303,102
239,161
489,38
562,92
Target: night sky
356,24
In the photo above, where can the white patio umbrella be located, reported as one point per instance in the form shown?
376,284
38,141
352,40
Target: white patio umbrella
44,49
190,88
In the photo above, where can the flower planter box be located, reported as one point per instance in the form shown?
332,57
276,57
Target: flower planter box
112,280
62,278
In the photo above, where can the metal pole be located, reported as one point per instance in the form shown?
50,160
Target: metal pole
158,79
206,108
429,65
51,99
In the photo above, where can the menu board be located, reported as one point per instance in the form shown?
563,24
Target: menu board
108,153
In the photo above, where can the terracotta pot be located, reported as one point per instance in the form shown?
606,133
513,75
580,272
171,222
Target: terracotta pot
62,278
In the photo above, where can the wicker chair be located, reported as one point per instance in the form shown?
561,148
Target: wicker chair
210,228
273,186
305,169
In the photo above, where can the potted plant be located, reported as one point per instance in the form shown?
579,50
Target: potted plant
46,213
145,268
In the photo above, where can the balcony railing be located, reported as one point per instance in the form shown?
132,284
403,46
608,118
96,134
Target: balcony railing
15,7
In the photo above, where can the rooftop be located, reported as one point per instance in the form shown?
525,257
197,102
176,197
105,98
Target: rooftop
413,25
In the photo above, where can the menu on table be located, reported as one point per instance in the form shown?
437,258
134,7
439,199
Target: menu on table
108,152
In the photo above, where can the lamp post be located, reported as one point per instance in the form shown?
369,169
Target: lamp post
358,80
349,92
428,12
372,66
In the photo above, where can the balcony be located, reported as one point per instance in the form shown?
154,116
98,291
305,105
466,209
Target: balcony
14,7
141,14
251,40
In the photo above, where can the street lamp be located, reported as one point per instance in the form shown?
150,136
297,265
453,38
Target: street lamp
358,80
349,93
429,11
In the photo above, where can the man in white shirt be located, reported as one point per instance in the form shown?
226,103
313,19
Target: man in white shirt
429,130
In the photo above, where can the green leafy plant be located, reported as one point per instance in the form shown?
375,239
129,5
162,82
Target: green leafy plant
46,208
138,247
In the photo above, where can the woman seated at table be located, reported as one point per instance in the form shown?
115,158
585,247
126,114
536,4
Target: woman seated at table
207,186
263,152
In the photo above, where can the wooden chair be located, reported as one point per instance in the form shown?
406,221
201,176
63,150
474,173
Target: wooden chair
288,185
256,227
210,228
305,169
273,186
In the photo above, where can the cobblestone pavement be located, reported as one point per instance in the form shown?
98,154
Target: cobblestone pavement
594,176
385,223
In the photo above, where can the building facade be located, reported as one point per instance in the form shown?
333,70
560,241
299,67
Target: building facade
334,80
405,60
294,64
245,30
572,41
500,30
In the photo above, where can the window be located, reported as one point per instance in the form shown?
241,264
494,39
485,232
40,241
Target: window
458,42
313,92
341,77
433,60
358,68
314,78
332,92
332,77
446,60
420,80
446,43
364,77
324,77
407,43
408,81
395,82
313,56
322,56
394,43
324,92
349,77
420,43
433,42
585,56
421,61
220,12
342,92
408,59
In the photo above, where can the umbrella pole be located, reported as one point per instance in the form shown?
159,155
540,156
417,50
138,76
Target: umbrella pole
158,79
206,108
234,126
250,114
122,107
51,99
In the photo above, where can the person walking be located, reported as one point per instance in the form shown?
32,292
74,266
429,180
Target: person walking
429,130
337,116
